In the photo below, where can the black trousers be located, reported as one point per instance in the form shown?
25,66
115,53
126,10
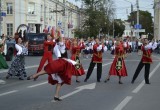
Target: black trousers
139,68
99,70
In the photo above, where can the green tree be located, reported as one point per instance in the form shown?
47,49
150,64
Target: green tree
119,28
96,17
145,19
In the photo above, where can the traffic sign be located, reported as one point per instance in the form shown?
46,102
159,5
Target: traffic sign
138,26
3,14
140,30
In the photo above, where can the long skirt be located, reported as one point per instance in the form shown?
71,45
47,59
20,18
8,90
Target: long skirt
79,66
3,64
18,67
118,67
64,69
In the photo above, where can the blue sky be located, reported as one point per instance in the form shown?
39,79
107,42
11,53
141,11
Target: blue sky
123,7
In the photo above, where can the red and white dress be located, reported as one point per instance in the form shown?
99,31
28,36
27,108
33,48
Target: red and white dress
118,67
75,51
62,67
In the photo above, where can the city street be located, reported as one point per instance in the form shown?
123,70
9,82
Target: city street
38,95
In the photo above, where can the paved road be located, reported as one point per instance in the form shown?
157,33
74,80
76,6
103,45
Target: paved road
38,95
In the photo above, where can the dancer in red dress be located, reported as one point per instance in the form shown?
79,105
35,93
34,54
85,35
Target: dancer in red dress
48,47
118,67
60,71
75,51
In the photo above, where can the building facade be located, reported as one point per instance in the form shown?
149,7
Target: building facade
47,13
129,31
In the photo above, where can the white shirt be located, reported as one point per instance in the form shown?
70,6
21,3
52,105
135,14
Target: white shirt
19,49
151,46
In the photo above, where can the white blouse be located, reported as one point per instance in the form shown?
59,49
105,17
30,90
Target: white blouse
19,49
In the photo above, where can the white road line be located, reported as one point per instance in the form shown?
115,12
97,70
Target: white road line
37,85
28,67
123,103
10,92
138,88
2,81
156,57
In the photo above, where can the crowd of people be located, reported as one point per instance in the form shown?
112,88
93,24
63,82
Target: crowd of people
61,69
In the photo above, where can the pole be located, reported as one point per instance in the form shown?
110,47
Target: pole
137,18
0,16
113,27
44,13
64,18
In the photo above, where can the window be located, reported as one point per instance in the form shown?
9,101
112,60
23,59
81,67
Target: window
9,8
10,29
31,8
31,27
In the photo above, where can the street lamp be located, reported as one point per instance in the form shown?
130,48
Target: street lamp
131,5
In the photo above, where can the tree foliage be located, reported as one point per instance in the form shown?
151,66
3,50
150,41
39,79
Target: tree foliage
145,19
97,17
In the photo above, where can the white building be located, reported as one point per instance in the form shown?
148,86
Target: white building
49,13
129,31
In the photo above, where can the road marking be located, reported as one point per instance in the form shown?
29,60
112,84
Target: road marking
10,92
28,67
37,85
123,103
79,89
2,82
136,90
156,57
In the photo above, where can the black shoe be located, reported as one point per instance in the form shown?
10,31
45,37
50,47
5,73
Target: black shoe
31,77
8,76
21,79
132,82
106,80
120,82
85,80
25,75
148,83
98,81
77,81
57,99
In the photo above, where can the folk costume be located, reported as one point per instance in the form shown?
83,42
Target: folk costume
18,65
118,67
48,47
96,59
60,70
75,57
145,61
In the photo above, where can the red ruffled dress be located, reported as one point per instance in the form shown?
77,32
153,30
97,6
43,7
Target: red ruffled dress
63,68
118,67
75,57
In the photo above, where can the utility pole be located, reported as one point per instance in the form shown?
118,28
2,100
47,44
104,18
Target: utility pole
113,27
64,18
137,18
44,13
0,16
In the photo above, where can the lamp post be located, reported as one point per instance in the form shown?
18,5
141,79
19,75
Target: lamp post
131,5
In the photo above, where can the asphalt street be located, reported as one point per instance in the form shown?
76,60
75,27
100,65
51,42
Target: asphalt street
90,95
